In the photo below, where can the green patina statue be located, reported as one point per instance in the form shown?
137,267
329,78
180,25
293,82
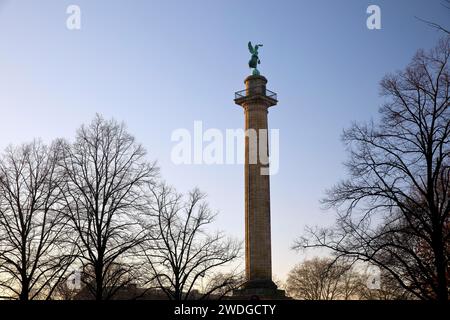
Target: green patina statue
254,60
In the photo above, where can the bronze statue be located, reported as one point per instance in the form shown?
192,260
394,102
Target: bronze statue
254,60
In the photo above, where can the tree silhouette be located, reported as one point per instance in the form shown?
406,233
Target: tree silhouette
180,252
35,252
393,210
106,179
324,279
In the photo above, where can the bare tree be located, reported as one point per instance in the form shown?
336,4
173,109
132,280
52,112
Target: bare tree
394,208
220,285
34,251
445,4
181,252
107,175
323,279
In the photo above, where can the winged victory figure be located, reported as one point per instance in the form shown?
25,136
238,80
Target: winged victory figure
254,60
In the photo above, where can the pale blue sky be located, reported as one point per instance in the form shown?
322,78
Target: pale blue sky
161,65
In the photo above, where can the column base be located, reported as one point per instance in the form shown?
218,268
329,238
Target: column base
259,290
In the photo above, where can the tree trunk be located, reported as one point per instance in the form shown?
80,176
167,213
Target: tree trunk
98,282
25,292
441,268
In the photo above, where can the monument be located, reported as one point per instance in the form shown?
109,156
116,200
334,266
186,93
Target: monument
256,100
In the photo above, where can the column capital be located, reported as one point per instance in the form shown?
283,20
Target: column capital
255,93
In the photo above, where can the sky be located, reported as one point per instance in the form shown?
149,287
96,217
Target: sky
161,65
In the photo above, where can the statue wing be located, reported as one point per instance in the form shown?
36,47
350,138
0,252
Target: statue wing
250,47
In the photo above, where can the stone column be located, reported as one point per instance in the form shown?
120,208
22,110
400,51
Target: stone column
258,257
